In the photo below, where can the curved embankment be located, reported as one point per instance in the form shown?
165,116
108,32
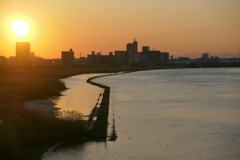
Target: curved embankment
99,126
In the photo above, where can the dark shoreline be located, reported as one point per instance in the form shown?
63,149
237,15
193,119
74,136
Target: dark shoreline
98,133
99,128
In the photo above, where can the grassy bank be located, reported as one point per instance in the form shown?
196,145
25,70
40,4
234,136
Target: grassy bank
21,127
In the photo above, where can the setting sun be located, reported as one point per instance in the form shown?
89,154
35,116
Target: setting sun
20,28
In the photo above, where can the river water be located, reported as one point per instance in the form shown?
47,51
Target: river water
167,114
80,96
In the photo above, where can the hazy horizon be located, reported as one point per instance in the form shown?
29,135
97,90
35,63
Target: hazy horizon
182,28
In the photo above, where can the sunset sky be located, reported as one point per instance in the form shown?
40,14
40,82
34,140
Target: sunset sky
181,27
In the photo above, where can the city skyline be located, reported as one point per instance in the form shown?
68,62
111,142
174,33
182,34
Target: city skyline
181,28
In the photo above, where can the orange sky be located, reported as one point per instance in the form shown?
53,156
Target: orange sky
181,27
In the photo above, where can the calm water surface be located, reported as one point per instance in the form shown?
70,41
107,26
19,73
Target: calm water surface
167,114
79,96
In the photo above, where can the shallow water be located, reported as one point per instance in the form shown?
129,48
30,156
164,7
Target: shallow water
79,96
168,114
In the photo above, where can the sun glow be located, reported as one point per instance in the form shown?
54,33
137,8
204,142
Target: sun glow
20,28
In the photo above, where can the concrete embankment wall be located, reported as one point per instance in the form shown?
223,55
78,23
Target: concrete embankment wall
99,128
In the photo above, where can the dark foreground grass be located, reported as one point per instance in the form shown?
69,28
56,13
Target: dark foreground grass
21,127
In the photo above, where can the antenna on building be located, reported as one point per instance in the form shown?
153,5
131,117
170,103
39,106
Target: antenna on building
80,55
134,39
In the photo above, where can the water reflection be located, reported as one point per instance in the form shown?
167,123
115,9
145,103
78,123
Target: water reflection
93,115
79,96
113,134
74,150
192,115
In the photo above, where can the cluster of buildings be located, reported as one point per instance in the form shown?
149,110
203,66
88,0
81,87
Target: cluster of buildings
24,56
127,57
205,58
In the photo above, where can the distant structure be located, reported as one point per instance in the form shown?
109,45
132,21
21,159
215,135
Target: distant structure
183,58
132,47
99,59
205,55
145,48
132,50
68,57
32,55
91,58
3,60
148,56
23,53
130,57
121,57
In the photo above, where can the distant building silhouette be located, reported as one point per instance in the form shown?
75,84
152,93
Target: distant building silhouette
164,56
130,57
122,58
68,57
145,48
132,50
32,55
23,53
183,58
152,56
92,59
3,60
132,47
205,55
99,59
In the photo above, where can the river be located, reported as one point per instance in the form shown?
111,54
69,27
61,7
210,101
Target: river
79,96
166,114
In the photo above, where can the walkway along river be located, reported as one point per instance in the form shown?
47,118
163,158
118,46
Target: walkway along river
97,121
99,126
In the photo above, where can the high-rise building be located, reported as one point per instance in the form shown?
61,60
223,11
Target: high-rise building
132,47
23,53
132,50
68,57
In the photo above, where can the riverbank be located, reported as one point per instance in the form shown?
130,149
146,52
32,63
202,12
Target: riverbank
21,127
97,122
99,126
188,127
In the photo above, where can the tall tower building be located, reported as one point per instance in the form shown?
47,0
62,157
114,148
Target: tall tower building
132,49
23,53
